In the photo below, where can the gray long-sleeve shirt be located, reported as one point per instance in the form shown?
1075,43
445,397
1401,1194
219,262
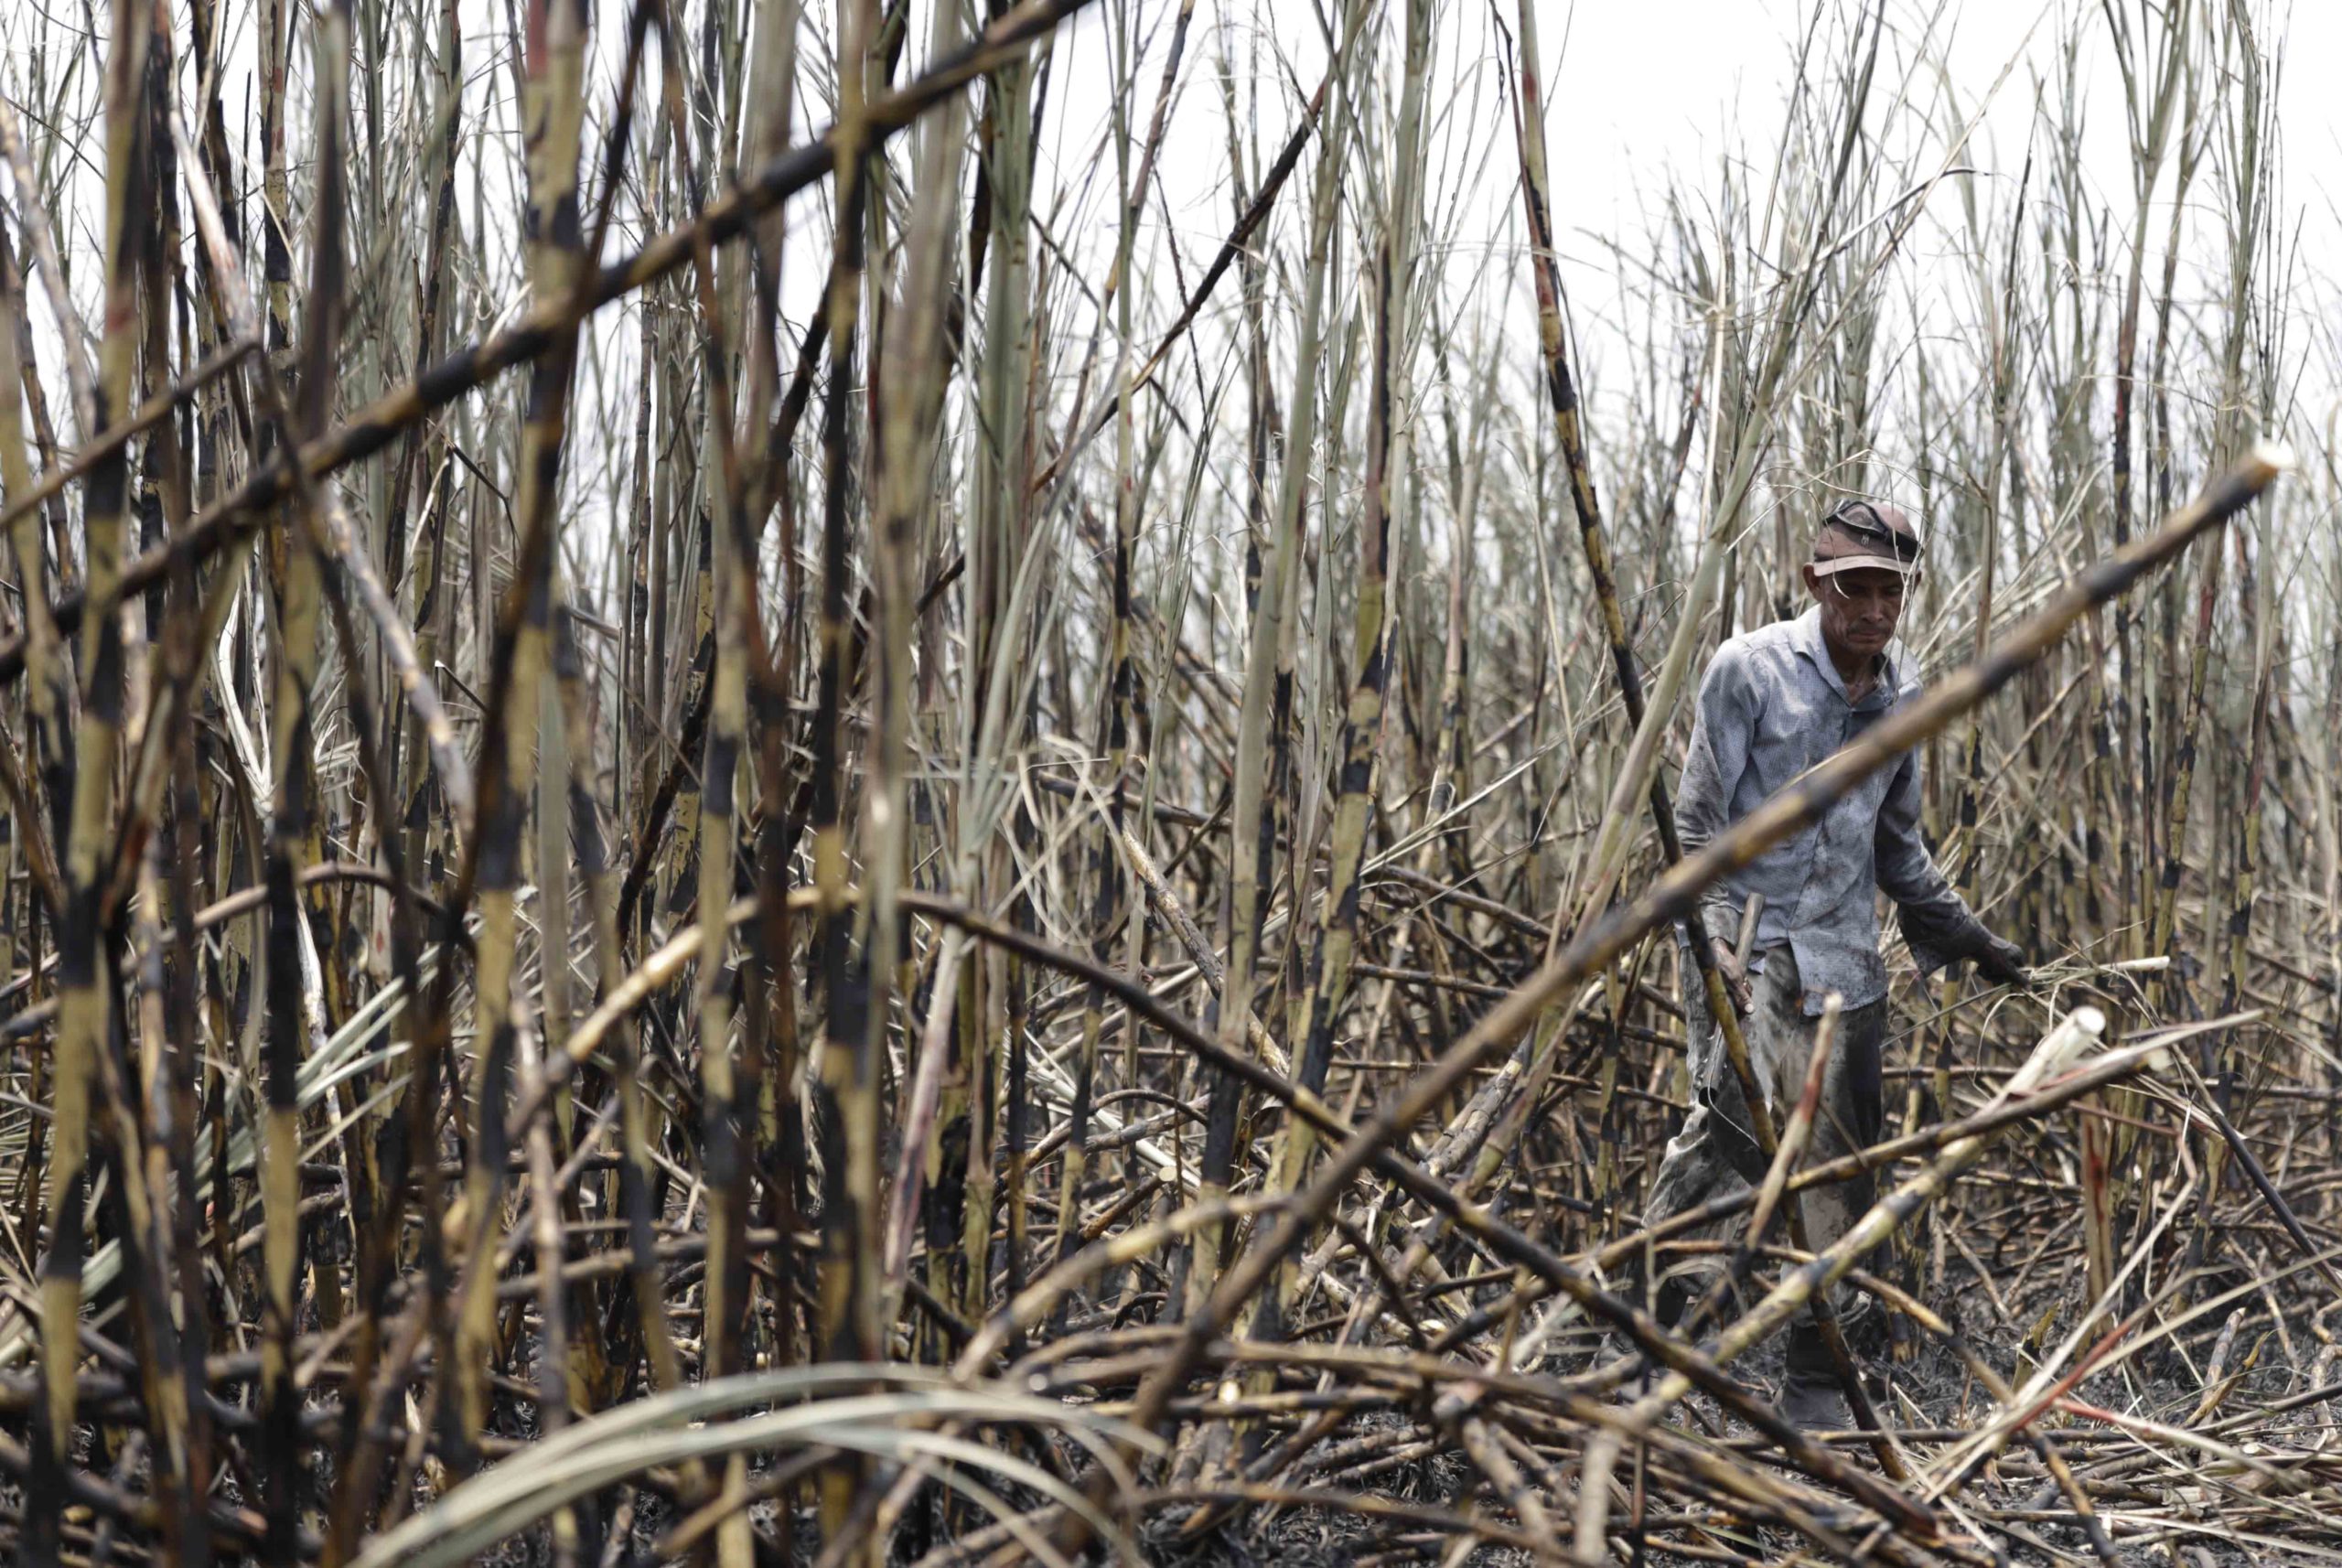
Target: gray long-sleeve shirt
1771,706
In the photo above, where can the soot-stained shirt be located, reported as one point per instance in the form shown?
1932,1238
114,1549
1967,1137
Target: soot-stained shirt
1771,706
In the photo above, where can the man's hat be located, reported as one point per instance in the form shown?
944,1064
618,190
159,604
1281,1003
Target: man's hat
1867,536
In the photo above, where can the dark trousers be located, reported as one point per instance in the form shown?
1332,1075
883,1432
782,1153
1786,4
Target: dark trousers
1715,1155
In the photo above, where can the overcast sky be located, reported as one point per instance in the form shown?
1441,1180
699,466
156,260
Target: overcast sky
1704,67
1636,89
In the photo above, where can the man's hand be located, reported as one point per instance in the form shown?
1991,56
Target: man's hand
1735,974
2002,961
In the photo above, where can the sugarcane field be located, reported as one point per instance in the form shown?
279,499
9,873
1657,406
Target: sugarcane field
964,783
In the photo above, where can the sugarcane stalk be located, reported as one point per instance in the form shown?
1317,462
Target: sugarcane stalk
1371,638
1562,392
1251,812
847,1110
85,981
2073,1035
552,83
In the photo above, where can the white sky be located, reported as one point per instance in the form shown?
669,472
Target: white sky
1636,89
1701,58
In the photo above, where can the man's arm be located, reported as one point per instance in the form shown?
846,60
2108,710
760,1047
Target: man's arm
1722,727
1937,921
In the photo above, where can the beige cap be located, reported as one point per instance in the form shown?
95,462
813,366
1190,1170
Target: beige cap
1867,536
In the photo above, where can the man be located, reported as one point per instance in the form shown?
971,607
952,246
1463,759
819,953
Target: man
1774,703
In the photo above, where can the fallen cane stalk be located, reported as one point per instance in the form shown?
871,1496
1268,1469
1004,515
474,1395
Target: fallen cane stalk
2114,1067
1777,1176
1670,898
1743,1255
2098,1072
2075,1033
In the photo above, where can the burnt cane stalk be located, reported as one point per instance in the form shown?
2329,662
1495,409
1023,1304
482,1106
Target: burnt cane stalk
1561,392
85,1015
552,113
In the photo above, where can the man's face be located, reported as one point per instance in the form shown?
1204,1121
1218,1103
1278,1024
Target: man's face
1859,609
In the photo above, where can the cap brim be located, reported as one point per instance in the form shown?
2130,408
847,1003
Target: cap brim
1837,563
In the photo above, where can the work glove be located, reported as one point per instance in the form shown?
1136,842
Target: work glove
2002,961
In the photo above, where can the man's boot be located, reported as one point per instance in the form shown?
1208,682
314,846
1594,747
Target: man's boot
1811,1398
